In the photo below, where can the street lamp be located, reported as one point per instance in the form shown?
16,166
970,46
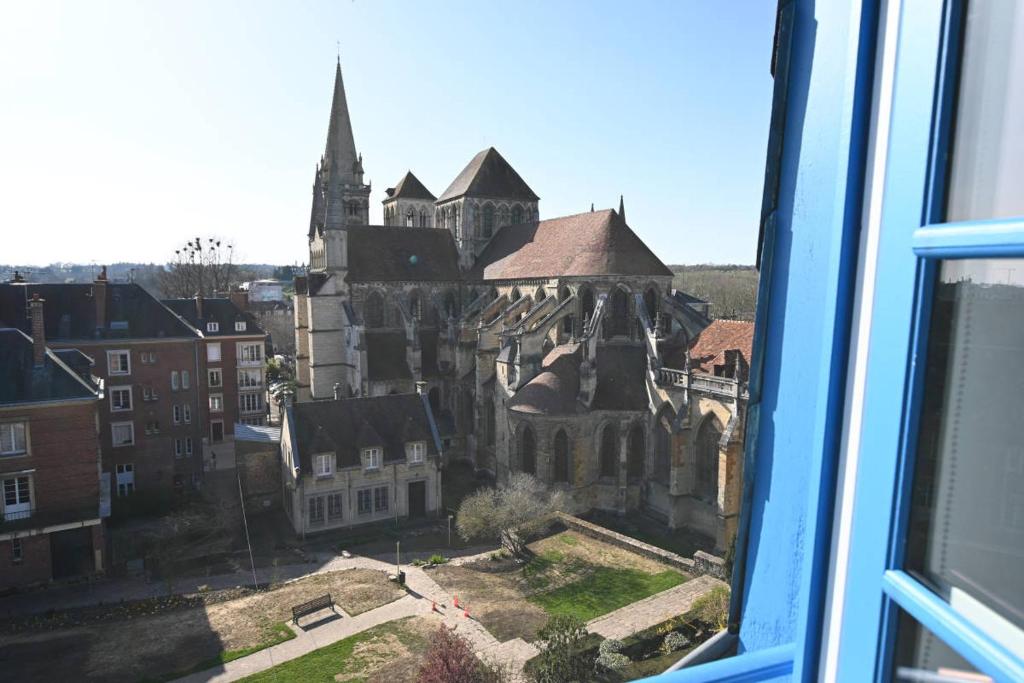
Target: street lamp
449,531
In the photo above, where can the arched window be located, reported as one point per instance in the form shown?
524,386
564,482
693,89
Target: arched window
410,219
528,451
488,220
609,454
540,295
517,215
415,305
450,308
567,321
373,310
663,445
503,216
618,322
635,452
587,304
423,218
515,295
468,422
706,449
560,473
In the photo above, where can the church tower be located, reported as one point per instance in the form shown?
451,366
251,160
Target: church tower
339,195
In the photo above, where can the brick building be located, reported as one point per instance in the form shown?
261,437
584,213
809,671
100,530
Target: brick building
51,526
150,419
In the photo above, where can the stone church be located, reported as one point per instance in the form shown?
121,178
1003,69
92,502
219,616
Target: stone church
552,346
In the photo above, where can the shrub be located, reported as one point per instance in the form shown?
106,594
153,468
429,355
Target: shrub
611,661
561,658
450,659
713,608
437,559
674,641
610,646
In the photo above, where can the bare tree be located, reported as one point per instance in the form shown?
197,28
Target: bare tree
511,513
199,267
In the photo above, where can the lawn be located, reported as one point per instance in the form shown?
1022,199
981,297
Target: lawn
603,590
389,652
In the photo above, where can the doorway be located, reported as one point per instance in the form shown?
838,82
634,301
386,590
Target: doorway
417,499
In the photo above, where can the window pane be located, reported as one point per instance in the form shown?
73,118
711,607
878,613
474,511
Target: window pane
966,534
987,170
921,657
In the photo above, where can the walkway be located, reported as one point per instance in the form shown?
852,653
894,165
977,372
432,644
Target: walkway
653,610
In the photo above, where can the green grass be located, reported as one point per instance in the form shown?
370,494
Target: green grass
603,590
274,635
338,658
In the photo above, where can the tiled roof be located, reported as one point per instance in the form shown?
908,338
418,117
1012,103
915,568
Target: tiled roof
388,254
70,312
343,425
385,356
586,244
409,187
720,336
21,381
554,390
489,175
257,433
221,311
620,378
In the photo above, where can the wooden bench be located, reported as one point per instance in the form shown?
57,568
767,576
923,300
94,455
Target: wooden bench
314,605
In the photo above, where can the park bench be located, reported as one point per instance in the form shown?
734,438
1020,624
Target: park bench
310,606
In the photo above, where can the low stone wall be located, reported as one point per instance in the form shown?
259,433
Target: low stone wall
702,562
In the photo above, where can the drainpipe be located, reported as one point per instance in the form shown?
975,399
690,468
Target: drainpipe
394,470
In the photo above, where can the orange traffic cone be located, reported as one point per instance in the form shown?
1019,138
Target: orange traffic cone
465,613
433,606
456,601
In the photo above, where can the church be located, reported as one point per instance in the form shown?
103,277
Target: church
552,346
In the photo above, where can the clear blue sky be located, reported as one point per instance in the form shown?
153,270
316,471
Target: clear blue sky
127,127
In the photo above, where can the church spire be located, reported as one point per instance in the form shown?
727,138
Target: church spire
341,197
340,153
622,209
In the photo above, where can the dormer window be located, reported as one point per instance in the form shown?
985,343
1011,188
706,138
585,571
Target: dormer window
323,465
372,457
213,327
416,451
240,326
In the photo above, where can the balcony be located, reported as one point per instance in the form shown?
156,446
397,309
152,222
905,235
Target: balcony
24,520
725,387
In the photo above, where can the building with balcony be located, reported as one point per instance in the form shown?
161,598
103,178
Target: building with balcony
54,488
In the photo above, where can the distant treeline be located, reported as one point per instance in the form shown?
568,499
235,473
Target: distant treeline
731,289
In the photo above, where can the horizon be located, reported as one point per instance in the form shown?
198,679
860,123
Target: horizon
217,120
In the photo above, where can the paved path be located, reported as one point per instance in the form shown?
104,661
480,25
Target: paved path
651,611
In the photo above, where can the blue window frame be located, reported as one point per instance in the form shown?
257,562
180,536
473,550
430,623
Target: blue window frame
915,244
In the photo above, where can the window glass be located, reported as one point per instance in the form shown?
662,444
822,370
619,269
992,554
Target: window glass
987,170
12,438
966,531
213,353
922,657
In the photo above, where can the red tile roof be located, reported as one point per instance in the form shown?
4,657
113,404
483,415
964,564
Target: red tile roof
721,336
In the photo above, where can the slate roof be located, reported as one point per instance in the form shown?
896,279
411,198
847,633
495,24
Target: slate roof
390,254
22,382
219,310
70,312
489,175
554,390
621,372
708,350
385,356
257,433
345,425
409,187
585,244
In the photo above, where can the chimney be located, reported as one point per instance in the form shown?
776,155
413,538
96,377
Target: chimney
99,295
199,305
38,330
240,298
337,391
18,277
421,388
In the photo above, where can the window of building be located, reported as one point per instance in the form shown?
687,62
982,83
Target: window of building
186,380
250,402
334,506
364,501
188,445
560,471
16,551
323,465
416,451
178,448
213,352
122,433
707,453
213,327
517,215
216,403
216,431
17,497
153,426
250,377
410,219
373,310
176,414
372,458
316,510
175,380
488,220
214,378
186,409
119,363
380,499
12,438
125,474
609,454
240,326
250,353
147,394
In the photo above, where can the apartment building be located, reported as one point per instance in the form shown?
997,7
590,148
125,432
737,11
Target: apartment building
51,524
151,422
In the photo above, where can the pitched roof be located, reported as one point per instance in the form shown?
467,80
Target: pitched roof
489,175
554,390
708,350
21,381
340,151
409,187
389,253
586,244
70,312
218,310
337,425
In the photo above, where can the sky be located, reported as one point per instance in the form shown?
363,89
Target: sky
127,128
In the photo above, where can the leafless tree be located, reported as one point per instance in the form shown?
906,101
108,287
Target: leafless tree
511,513
199,267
